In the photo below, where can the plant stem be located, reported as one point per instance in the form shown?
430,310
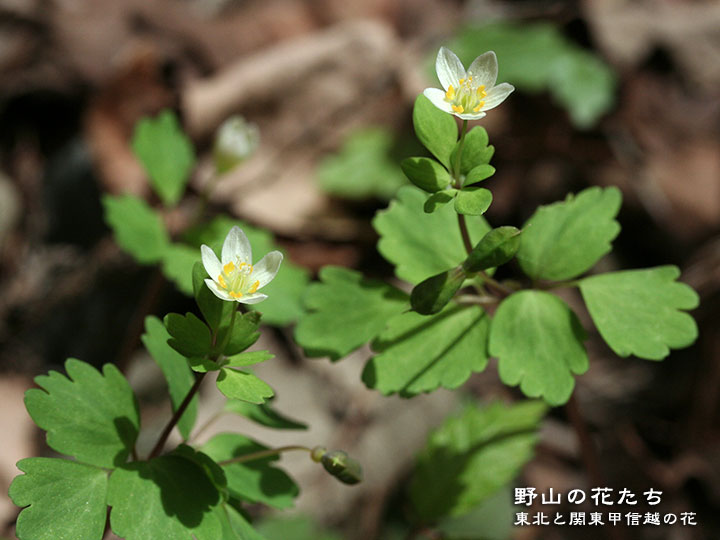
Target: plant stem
176,417
263,453
503,289
458,156
191,393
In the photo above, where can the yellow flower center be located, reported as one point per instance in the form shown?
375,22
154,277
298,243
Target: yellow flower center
236,279
466,97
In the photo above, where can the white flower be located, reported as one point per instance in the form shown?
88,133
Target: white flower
235,278
236,141
467,94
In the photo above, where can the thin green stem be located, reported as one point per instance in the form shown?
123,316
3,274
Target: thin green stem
264,453
504,289
176,417
458,156
191,393
204,198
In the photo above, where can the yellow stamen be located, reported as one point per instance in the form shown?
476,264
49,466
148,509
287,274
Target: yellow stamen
458,108
229,267
234,294
481,91
254,287
461,81
479,106
450,94
221,281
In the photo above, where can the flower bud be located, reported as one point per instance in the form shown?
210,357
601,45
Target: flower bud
236,141
339,464
435,292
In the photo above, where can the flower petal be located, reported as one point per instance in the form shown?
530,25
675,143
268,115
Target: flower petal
253,298
217,291
236,246
470,116
437,97
266,269
449,68
210,262
497,95
485,69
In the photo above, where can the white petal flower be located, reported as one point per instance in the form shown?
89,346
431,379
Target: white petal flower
467,94
235,278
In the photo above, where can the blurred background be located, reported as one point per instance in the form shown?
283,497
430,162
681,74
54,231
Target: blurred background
608,92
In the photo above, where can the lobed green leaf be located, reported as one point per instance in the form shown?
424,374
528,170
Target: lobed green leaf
166,497
65,500
565,239
421,245
345,311
639,311
538,342
88,415
476,151
472,456
453,345
137,228
363,167
166,154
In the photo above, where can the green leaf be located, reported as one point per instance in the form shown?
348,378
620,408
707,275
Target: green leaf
478,174
565,239
254,481
65,500
476,151
242,528
237,384
166,153
453,345
190,336
203,365
421,245
496,248
436,129
584,85
436,200
244,333
91,416
177,266
175,368
638,311
166,497
433,294
264,414
536,57
492,519
426,173
345,311
249,358
137,228
472,456
537,340
295,528
363,167
473,201
283,305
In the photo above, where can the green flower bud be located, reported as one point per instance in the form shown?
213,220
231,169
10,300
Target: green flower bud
495,248
435,292
340,465
236,141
